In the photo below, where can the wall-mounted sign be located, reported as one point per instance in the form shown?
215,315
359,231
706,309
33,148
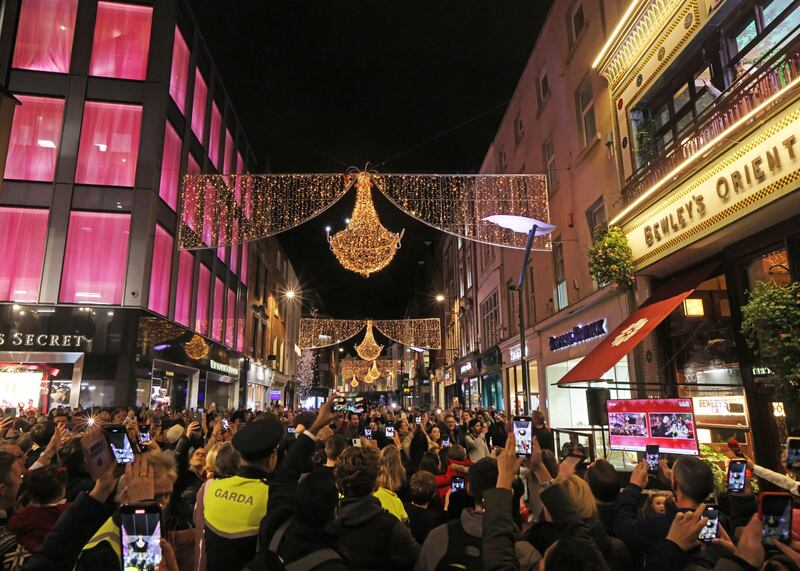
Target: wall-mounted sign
754,173
42,340
465,368
224,368
515,353
579,334
719,406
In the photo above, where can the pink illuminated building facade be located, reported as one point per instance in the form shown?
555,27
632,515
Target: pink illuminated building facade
117,100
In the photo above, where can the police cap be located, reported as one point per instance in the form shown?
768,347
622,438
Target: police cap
258,439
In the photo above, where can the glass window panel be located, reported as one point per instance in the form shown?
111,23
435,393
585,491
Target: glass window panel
774,9
746,35
217,323
199,105
203,290
230,319
183,293
228,164
243,272
190,207
161,271
121,41
240,322
179,75
170,167
684,123
681,97
23,236
95,258
216,128
44,35
35,138
109,144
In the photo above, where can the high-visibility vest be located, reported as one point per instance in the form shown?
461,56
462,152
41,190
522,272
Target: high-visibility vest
108,532
391,503
234,507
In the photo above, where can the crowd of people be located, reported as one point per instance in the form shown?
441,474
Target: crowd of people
382,488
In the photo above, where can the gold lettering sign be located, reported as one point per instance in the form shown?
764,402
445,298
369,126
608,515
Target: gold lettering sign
27,340
755,172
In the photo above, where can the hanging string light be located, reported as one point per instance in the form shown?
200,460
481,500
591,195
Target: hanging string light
368,349
215,215
422,333
365,246
359,368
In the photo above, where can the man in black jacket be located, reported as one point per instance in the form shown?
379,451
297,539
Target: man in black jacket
368,536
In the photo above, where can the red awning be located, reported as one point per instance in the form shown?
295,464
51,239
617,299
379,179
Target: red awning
637,326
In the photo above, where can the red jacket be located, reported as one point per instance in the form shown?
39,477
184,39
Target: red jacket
31,524
443,481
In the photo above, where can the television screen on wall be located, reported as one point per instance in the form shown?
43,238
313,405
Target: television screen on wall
635,423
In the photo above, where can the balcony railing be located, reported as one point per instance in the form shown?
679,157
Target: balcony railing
774,71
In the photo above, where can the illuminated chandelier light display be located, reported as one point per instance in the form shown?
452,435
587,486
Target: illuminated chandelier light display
226,209
354,382
365,246
421,333
368,349
373,374
359,368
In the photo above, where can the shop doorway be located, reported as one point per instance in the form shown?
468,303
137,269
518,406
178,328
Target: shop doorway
171,385
40,380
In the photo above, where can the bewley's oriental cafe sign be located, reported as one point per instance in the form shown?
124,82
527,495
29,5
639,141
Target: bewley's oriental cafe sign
758,170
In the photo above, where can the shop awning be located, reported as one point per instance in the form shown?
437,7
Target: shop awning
637,326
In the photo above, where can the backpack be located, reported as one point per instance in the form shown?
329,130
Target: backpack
269,560
463,550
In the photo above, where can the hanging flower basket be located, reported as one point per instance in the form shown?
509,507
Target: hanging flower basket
611,259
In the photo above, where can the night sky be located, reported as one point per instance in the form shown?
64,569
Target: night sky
323,85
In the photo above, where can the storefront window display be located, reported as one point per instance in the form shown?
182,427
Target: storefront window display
515,389
493,391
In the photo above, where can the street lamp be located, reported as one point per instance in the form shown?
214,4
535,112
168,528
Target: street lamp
533,228
440,298
290,294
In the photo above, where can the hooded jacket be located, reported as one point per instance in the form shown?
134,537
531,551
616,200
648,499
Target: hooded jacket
371,538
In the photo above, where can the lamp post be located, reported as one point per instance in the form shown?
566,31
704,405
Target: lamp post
532,228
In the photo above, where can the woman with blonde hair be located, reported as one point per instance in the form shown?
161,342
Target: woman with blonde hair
392,482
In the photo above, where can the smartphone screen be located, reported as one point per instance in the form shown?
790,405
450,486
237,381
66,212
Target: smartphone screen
776,518
368,432
419,420
144,437
291,430
523,434
121,445
390,431
339,404
140,527
709,530
97,453
793,453
737,470
456,484
357,442
651,457
445,442
225,424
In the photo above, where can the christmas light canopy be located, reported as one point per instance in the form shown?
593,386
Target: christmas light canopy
225,209
421,333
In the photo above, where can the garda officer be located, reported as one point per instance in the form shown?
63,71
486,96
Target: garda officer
234,507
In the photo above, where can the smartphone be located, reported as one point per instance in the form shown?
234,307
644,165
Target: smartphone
121,445
445,442
140,534
775,509
390,430
368,432
419,420
97,453
793,453
225,424
523,434
737,471
144,436
710,530
291,429
339,404
456,484
357,442
651,457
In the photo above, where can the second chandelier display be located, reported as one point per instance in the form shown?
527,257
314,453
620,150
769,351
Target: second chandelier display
365,246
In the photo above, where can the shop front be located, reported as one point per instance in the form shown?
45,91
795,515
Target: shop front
512,371
182,370
491,374
468,381
258,381
65,356
565,341
449,387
